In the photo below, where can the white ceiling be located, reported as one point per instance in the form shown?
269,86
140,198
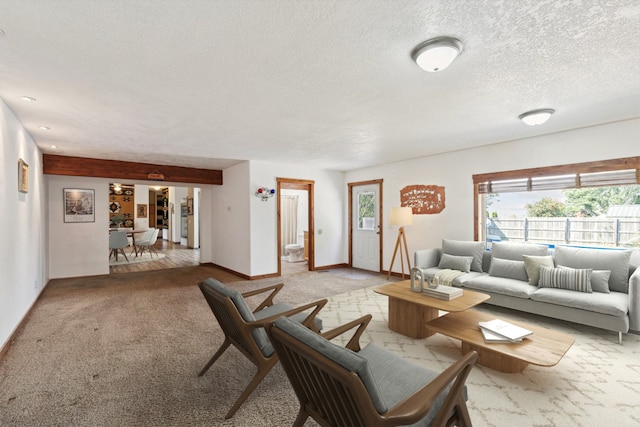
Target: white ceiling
329,84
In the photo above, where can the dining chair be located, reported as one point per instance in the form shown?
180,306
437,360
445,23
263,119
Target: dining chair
147,241
117,242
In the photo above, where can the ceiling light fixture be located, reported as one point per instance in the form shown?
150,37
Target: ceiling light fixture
28,99
44,127
437,54
536,117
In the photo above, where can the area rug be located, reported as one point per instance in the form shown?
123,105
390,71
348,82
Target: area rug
133,259
125,350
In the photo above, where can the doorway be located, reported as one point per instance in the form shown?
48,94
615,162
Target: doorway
365,232
295,197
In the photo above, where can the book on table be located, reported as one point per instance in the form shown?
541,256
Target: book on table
491,337
505,329
443,292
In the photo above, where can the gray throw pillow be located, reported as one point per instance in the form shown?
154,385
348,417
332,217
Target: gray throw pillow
533,263
465,248
614,260
574,279
461,263
508,268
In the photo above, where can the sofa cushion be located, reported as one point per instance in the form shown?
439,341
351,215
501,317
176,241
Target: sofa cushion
612,304
399,378
573,279
515,250
344,357
453,262
532,264
508,268
501,285
615,260
465,248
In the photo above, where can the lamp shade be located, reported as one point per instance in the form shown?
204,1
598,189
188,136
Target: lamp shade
401,216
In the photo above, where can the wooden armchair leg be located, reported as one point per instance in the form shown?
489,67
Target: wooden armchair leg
301,418
247,391
221,350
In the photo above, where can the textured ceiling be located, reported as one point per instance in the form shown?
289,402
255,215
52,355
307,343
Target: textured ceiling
329,84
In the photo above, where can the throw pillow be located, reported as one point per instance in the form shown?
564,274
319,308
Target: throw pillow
508,268
465,248
574,279
533,263
461,263
599,280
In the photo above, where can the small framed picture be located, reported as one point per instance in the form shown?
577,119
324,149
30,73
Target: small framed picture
189,205
79,205
142,211
23,176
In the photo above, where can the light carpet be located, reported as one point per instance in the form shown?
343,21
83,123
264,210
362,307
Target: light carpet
125,349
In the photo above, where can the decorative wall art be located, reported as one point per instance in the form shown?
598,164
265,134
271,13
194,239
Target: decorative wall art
423,199
121,204
79,205
142,211
23,176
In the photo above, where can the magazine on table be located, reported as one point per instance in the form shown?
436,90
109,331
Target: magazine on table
505,329
491,337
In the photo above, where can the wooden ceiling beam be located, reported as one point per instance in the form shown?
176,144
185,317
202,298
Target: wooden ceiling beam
116,169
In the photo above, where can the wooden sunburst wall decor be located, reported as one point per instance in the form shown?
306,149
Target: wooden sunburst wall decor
423,199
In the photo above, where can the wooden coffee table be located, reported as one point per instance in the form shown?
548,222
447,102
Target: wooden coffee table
544,348
410,311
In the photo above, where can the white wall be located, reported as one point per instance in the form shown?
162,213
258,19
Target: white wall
454,172
23,254
78,249
141,197
230,230
330,209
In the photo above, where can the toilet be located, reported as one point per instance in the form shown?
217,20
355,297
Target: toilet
296,253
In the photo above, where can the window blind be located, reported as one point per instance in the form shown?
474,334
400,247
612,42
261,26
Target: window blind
559,182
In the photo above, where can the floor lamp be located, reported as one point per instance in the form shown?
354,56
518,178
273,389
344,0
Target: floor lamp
401,217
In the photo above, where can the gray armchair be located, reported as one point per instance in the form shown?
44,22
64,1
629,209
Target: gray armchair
339,386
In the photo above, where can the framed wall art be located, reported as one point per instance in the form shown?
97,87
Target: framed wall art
79,205
142,211
23,176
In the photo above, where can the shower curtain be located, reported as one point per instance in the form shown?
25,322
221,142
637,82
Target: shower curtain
289,210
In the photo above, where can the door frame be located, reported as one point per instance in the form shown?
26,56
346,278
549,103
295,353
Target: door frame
350,216
296,184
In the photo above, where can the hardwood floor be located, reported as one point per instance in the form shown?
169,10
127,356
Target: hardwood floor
175,255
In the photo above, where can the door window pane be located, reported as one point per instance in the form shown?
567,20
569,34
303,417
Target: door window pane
366,211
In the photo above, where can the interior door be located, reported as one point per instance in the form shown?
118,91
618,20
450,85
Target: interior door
365,226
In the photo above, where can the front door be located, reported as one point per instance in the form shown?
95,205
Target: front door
365,226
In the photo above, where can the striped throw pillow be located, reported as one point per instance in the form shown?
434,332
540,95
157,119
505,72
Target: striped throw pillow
574,279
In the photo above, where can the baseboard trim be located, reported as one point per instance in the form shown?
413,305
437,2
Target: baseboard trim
18,329
329,267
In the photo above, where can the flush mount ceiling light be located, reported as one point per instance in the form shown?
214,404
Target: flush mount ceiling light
437,54
28,98
536,117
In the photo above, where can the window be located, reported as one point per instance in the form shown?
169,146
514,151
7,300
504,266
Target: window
586,204
366,211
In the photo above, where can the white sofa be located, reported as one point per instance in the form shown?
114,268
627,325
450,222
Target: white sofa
595,287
